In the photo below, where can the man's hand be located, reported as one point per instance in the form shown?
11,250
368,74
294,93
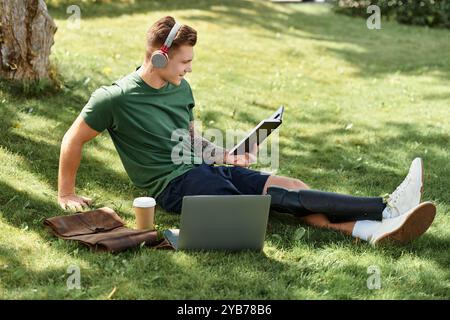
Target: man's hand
72,202
242,160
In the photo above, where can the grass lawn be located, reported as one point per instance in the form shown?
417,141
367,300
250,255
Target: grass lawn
360,105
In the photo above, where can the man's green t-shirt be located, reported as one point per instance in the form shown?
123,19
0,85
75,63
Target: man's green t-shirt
141,121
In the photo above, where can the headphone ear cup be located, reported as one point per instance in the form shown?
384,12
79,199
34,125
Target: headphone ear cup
159,59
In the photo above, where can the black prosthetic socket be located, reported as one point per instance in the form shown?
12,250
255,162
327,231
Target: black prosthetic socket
337,207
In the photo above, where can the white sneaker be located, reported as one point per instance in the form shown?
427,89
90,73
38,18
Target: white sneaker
408,194
406,227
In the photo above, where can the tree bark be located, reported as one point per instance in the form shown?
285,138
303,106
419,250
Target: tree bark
26,38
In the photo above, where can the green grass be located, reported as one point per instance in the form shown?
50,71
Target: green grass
329,71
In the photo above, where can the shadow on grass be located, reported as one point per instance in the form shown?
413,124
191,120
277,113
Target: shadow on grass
29,218
147,273
43,162
377,52
391,278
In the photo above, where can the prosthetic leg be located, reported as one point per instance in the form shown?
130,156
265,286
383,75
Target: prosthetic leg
337,207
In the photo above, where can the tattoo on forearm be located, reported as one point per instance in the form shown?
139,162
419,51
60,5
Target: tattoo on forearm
210,153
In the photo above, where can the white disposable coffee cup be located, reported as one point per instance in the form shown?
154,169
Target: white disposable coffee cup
144,210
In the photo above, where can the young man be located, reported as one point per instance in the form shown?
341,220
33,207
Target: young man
142,110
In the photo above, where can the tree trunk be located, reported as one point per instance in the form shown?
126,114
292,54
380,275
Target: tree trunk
26,37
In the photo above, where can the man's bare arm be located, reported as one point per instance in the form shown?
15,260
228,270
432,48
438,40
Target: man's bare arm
70,157
210,152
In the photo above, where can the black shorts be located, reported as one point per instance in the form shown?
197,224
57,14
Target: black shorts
207,179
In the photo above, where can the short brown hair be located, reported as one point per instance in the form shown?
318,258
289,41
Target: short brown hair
158,32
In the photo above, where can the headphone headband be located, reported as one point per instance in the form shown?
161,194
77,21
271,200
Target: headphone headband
172,34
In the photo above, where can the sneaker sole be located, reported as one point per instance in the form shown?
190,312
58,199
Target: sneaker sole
413,227
421,187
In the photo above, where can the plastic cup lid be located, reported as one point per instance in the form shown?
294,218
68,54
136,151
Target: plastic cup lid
144,202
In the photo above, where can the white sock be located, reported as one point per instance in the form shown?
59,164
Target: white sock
364,229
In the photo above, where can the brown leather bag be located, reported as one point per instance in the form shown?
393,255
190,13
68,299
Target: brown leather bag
103,230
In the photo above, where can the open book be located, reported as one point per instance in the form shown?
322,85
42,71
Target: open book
259,133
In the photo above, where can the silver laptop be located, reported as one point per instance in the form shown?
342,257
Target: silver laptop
228,222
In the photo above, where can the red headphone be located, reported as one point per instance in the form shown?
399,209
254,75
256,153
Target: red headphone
160,57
